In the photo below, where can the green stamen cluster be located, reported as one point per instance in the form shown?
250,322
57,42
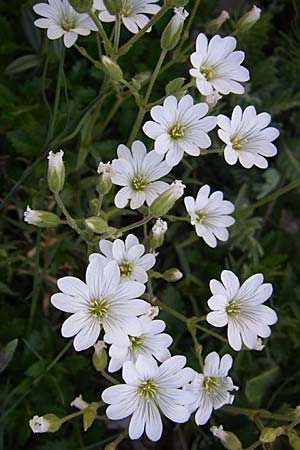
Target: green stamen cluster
176,131
125,268
148,389
200,216
138,183
98,308
68,24
210,383
207,72
237,144
233,308
135,341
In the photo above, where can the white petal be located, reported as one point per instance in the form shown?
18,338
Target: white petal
87,336
153,422
231,283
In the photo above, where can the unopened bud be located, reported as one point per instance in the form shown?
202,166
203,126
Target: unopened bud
104,182
112,68
43,219
114,7
82,6
172,275
249,19
96,224
49,423
215,24
157,234
152,312
213,99
172,32
56,171
99,356
228,439
79,403
270,434
259,345
167,199
294,440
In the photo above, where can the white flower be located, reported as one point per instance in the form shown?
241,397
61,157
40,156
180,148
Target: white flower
159,228
209,214
212,388
150,389
180,126
241,308
133,13
150,341
247,137
133,264
217,67
138,171
61,19
39,424
100,302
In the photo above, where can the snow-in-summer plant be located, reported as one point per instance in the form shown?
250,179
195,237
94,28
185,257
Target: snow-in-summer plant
131,221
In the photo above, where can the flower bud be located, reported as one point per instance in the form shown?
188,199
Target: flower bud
79,403
270,434
228,439
213,99
249,19
56,171
43,219
112,68
82,6
45,424
157,234
114,7
172,275
172,32
104,182
167,199
259,345
215,24
152,312
96,224
99,356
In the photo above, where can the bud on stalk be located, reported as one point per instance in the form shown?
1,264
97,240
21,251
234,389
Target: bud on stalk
172,275
157,234
56,172
114,7
167,199
99,356
42,219
215,24
49,423
96,224
172,32
112,68
228,439
249,19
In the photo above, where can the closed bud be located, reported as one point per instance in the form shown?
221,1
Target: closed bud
79,403
99,356
294,440
82,6
157,234
42,219
56,172
114,7
112,68
215,24
104,182
269,435
172,32
229,440
49,423
172,275
213,99
96,224
152,312
249,19
167,199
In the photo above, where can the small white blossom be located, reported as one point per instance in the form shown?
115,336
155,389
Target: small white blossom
61,19
217,67
152,312
211,388
102,302
259,345
133,13
32,216
129,255
105,169
241,308
247,137
149,390
79,403
213,99
39,424
209,214
150,341
249,19
173,30
159,228
179,127
138,171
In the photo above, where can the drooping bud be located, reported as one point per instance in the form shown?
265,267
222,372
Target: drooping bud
167,199
172,32
49,423
213,99
157,233
56,172
270,434
82,6
214,25
114,7
79,403
228,439
99,356
249,19
259,345
172,275
96,224
112,68
104,182
42,219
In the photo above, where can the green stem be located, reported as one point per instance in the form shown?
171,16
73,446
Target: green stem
71,222
177,218
253,446
57,93
185,34
212,333
78,413
117,33
106,41
136,224
262,414
198,347
171,311
86,55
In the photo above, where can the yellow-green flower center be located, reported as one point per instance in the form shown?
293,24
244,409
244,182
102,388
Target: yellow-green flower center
125,268
207,72
135,341
210,383
126,10
68,23
138,183
200,216
238,144
233,308
148,389
176,131
98,308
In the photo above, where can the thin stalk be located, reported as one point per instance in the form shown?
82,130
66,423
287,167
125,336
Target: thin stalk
86,55
106,41
71,222
117,34
171,311
57,93
136,224
211,333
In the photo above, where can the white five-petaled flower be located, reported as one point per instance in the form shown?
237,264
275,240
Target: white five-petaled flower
150,389
217,67
61,19
247,137
133,13
151,341
132,261
101,302
211,388
138,171
179,127
241,308
209,214
39,424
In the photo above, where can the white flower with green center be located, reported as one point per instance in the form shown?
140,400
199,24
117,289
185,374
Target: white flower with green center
129,255
151,341
241,308
138,171
133,13
179,127
210,215
217,67
247,137
101,302
211,388
149,390
60,19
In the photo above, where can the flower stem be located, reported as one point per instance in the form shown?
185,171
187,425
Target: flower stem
117,33
171,311
136,224
212,333
71,222
106,41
